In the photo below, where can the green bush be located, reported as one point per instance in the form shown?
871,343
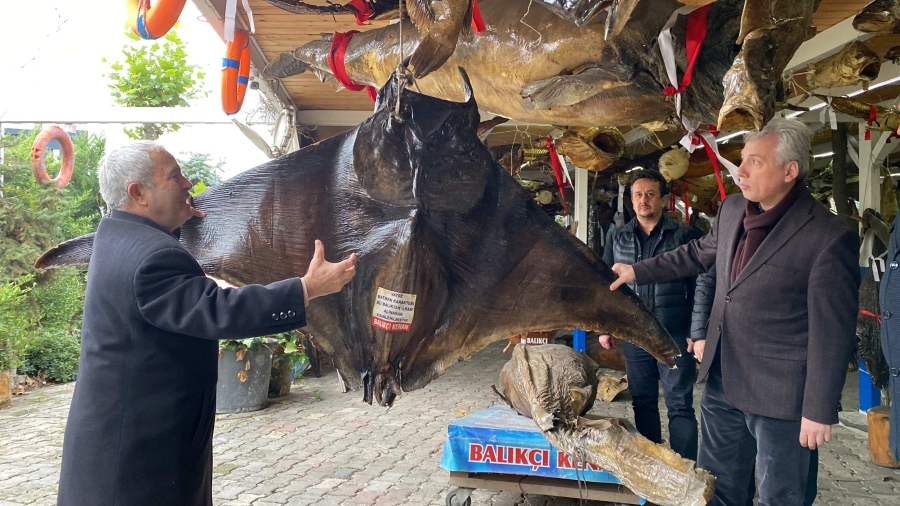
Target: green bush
17,320
54,353
60,299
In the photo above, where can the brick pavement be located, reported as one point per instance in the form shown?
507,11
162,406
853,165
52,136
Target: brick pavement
318,446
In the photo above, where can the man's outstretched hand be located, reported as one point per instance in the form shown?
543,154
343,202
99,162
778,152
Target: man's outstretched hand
625,273
323,277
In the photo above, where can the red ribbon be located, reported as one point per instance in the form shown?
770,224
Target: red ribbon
477,22
696,33
873,110
363,13
867,313
557,171
687,204
672,202
339,43
715,163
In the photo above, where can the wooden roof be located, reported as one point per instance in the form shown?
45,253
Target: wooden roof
278,31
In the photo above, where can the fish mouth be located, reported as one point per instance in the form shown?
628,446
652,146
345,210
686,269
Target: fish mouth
872,22
871,70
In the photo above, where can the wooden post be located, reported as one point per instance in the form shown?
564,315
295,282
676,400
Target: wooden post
879,427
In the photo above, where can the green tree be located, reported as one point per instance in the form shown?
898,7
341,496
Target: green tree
40,311
154,74
198,168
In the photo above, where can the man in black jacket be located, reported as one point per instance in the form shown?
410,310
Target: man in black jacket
141,422
648,234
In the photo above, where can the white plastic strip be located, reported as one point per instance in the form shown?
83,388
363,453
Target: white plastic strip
831,115
668,54
230,14
249,12
619,217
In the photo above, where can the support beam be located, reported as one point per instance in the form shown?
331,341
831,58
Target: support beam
35,113
826,43
839,142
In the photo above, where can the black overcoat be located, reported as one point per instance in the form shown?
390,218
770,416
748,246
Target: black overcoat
786,327
889,297
140,426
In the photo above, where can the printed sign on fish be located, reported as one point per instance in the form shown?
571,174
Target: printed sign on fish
393,311
537,340
512,455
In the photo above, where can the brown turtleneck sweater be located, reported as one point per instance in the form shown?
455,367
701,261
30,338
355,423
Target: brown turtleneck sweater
758,224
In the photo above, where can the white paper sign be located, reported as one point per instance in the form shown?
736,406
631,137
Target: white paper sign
393,311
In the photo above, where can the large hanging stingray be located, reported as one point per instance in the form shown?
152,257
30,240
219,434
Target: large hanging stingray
452,253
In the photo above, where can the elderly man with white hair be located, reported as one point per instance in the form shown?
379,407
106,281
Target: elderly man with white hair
782,324
141,422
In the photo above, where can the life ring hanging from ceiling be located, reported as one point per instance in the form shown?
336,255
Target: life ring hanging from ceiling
235,72
151,23
38,167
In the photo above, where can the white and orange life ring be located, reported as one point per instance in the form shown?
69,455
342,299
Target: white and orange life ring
38,167
235,72
153,22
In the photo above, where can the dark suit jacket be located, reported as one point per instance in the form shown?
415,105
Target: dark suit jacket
889,297
141,421
786,326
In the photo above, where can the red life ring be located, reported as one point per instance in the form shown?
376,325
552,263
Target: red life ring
154,22
235,72
68,156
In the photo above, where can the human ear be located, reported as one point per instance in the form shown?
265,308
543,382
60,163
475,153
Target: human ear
137,193
792,170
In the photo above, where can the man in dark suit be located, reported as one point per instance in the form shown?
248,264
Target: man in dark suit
141,422
782,324
889,298
648,234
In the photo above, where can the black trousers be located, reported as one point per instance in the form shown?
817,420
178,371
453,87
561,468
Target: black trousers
732,442
644,374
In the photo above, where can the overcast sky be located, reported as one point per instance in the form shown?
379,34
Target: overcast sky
52,54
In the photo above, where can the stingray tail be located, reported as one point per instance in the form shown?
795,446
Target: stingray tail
72,252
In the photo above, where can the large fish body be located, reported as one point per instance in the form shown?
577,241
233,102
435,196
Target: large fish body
452,253
538,68
532,66
853,64
868,331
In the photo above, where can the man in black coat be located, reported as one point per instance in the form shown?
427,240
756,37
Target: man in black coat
648,234
781,329
141,422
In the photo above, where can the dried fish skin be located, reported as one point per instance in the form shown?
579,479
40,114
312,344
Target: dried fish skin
879,17
854,63
553,384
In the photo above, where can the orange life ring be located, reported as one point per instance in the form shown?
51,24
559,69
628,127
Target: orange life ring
153,22
235,72
68,156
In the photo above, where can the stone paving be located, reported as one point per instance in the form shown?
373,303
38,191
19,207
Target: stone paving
318,446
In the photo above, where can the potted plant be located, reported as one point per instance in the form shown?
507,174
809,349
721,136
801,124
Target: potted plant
288,354
244,369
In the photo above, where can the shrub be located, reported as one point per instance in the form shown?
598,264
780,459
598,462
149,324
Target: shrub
54,353
16,320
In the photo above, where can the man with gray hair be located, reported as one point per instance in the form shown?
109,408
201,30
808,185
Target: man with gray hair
141,422
781,328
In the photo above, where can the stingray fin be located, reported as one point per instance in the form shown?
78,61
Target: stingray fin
421,14
432,52
285,66
72,252
561,91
